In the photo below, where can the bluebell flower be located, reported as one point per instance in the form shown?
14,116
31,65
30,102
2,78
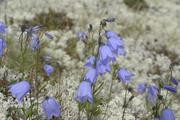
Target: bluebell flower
110,34
167,114
170,88
49,36
51,108
2,47
102,68
82,36
34,42
121,51
90,62
84,93
115,43
48,69
19,90
33,30
2,28
152,92
105,54
91,75
124,75
141,88
174,81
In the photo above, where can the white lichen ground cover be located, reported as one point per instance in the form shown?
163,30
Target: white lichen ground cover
145,33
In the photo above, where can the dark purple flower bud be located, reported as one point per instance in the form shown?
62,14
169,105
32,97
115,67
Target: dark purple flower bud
33,30
174,81
102,68
2,47
90,62
167,114
82,36
109,19
105,54
141,88
48,69
2,28
51,108
91,76
124,75
19,90
49,36
34,42
152,94
170,88
84,92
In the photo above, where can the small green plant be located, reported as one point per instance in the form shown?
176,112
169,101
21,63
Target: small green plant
136,4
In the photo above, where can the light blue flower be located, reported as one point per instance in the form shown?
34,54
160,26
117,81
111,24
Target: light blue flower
48,69
2,47
90,62
105,54
110,34
84,93
124,75
152,92
91,75
102,68
19,90
2,28
34,42
82,36
167,114
51,108
141,88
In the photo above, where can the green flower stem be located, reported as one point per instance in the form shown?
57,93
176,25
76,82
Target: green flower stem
125,104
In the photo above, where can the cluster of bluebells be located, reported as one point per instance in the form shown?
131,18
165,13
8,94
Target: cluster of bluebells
2,41
153,95
100,64
21,89
50,106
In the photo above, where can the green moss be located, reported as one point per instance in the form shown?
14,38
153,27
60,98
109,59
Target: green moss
136,4
52,20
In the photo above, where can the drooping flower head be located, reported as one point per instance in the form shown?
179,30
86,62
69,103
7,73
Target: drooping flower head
105,54
141,88
33,30
19,90
167,114
90,62
91,75
51,108
170,88
2,28
152,92
174,81
48,69
110,34
124,75
102,68
82,36
2,47
34,42
84,93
